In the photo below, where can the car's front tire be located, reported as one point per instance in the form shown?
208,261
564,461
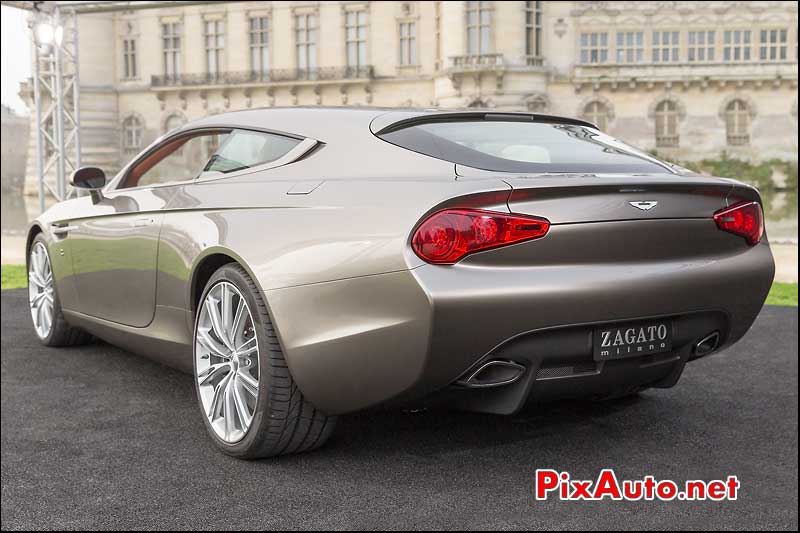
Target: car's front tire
48,321
249,402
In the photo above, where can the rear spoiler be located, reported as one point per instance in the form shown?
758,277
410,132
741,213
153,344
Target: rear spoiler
384,124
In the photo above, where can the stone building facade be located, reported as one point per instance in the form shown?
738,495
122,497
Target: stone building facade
688,79
12,153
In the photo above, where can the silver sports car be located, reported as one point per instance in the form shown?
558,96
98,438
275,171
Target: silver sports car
306,263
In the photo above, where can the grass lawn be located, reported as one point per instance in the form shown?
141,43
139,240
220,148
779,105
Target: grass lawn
783,294
14,277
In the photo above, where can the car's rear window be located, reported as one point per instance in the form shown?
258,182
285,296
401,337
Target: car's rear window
523,147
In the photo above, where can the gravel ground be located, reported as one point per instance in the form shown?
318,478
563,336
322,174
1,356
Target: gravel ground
95,437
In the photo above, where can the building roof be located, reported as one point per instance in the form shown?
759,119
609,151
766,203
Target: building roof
90,6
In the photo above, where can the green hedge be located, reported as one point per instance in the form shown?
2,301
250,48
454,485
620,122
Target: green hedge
758,174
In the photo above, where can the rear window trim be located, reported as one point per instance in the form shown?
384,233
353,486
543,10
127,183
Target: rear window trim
295,154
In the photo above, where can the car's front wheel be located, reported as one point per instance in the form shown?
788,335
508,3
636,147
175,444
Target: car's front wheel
250,404
48,320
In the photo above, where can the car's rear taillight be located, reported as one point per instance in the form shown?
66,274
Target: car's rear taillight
447,236
745,219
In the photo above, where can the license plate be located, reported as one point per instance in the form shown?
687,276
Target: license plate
618,341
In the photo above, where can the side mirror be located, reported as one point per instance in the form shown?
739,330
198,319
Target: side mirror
90,179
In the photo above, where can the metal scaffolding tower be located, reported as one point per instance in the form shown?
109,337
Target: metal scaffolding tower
56,90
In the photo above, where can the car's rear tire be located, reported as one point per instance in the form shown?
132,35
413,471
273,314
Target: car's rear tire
247,421
49,323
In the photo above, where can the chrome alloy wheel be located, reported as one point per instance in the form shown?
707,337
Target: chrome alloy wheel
41,290
226,361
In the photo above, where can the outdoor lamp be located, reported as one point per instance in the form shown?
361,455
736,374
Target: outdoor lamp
47,34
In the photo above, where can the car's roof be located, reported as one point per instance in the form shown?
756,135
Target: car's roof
328,124
325,124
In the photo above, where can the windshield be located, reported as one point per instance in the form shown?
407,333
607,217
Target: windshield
524,147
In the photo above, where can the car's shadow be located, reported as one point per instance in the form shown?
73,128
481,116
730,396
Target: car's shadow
388,431
431,432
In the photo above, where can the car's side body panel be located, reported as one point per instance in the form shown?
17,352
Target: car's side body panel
119,242
166,339
342,229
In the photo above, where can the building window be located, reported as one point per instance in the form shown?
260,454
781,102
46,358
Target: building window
701,45
630,47
173,122
306,41
597,113
736,45
129,59
132,130
667,116
773,45
356,39
537,104
212,144
259,44
171,41
479,23
737,123
666,46
215,44
533,30
594,47
408,43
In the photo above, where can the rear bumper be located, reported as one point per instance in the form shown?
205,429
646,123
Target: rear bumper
401,336
559,364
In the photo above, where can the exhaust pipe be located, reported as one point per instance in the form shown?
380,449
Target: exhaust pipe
707,345
493,374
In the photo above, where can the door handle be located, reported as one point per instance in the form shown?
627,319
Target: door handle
62,229
141,222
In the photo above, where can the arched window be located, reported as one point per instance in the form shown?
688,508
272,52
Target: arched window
537,104
173,122
132,130
737,122
596,112
667,117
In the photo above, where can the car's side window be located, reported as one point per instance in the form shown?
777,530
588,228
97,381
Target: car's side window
243,149
180,159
